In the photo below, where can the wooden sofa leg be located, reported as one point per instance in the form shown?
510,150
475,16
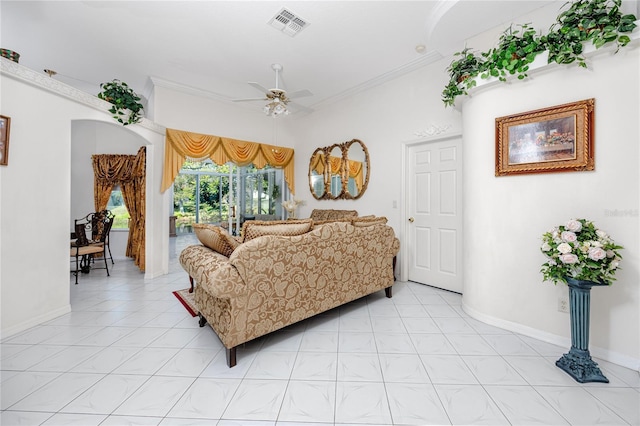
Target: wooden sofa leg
387,292
394,268
191,281
231,357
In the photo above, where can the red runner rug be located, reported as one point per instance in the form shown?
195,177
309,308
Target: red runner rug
187,300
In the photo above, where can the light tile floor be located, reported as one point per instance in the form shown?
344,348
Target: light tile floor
129,354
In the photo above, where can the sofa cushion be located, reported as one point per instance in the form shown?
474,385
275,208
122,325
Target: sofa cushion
216,238
331,214
369,221
255,228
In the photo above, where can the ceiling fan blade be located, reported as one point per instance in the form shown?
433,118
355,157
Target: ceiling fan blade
299,94
249,99
258,86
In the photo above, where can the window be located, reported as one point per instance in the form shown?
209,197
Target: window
117,207
201,193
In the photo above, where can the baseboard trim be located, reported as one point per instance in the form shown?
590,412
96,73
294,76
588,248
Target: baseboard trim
605,354
33,321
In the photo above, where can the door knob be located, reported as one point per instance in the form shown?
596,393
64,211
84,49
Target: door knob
411,219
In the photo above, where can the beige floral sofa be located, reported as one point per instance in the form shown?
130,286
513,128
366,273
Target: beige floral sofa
286,274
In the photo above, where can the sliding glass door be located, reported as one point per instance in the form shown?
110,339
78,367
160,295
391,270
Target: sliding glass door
204,192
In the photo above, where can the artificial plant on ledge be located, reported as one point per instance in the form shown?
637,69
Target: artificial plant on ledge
516,49
126,107
461,72
598,21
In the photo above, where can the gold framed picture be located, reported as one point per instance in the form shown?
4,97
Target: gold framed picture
555,139
5,124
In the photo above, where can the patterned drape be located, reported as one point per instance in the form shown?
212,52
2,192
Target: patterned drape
180,145
128,171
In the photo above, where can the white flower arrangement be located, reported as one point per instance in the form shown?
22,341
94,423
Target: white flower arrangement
291,205
580,251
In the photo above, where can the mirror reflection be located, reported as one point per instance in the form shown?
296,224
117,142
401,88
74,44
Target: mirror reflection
334,161
339,171
356,168
317,174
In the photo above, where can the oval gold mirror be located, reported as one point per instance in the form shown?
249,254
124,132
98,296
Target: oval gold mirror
357,169
340,171
335,171
318,174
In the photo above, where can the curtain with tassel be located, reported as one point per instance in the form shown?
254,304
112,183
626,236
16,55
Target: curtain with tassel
128,171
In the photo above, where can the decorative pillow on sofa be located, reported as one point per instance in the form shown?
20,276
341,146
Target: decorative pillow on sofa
369,220
255,228
216,238
331,214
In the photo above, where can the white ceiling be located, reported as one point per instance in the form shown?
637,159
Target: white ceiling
218,46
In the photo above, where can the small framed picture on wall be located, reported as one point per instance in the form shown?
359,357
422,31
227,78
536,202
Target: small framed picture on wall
5,124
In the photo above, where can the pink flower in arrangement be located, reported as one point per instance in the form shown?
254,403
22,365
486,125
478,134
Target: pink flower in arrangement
569,236
569,258
596,253
574,225
564,248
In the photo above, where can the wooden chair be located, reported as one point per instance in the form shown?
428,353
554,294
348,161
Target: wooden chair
84,250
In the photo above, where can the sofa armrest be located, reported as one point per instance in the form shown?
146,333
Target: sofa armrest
212,271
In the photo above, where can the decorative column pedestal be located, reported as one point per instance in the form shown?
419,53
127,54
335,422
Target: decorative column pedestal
577,362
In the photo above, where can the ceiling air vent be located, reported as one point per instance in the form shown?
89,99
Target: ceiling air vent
288,22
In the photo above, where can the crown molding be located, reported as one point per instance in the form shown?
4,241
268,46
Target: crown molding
33,78
189,90
422,61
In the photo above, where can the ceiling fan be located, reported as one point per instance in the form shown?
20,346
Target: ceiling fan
278,99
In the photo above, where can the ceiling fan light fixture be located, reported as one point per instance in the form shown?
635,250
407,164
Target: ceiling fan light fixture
277,98
275,108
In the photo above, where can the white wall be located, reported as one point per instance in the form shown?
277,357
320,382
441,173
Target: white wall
35,198
34,220
382,118
506,216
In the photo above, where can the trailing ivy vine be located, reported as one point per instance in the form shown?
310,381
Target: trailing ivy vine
597,21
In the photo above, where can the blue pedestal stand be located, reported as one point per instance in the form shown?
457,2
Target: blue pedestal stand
577,362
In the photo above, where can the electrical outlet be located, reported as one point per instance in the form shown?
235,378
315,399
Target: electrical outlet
563,304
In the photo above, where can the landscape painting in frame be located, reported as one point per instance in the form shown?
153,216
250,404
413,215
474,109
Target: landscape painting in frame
555,139
5,122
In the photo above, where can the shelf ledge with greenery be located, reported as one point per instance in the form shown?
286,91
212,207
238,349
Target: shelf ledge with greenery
584,29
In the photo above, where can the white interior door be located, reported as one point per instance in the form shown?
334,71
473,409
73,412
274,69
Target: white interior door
434,213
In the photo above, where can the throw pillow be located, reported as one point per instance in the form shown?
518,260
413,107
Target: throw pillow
331,214
216,238
369,221
255,228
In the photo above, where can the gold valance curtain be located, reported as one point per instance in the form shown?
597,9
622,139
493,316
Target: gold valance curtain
180,145
317,163
355,172
335,165
128,171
